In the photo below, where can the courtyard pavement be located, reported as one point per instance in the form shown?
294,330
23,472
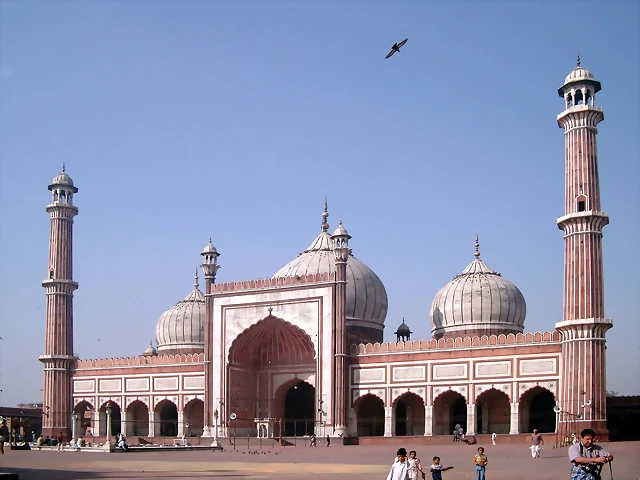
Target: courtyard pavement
322,463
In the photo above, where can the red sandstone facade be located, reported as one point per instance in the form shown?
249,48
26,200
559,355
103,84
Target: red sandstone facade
276,360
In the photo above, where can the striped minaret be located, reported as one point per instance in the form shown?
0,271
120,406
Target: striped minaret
58,358
583,369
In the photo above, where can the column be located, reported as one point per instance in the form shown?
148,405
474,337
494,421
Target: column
152,424
123,424
515,418
471,419
74,427
180,423
96,431
388,421
353,422
428,420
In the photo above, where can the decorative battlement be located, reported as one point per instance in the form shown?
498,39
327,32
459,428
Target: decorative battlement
459,342
141,361
271,283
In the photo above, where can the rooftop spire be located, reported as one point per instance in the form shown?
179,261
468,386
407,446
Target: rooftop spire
63,167
578,60
477,253
196,284
325,215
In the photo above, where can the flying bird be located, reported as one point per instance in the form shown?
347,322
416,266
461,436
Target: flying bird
396,47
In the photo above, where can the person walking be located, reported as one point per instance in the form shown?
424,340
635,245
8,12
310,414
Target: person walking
480,460
4,434
587,459
400,468
494,435
536,442
60,439
415,467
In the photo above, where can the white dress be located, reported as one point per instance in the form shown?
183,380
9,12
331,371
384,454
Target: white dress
399,471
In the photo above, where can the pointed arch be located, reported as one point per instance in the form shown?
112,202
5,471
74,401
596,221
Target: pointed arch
493,412
536,410
449,410
369,410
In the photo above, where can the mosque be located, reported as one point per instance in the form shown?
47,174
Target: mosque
302,352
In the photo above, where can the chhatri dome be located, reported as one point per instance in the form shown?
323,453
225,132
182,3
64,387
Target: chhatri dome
367,303
181,328
477,302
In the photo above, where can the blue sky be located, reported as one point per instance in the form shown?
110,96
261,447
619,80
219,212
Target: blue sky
184,120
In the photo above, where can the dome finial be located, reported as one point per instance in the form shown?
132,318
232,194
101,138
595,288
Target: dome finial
325,215
63,167
196,284
578,60
477,245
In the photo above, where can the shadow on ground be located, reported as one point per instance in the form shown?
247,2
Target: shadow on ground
45,474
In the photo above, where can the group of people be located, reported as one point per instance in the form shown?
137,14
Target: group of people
410,468
587,460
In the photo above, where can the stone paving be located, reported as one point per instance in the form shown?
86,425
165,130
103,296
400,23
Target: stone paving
357,462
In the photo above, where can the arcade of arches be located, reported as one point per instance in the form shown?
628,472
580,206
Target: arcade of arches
259,358
165,421
491,412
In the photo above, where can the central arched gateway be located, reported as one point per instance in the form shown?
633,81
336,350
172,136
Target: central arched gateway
271,375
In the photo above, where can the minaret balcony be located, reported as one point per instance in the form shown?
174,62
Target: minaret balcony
599,218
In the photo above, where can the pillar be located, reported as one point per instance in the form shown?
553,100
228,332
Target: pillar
471,419
353,422
515,418
124,423
388,421
181,429
152,423
428,420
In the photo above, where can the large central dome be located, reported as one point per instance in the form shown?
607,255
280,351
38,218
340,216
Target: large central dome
367,302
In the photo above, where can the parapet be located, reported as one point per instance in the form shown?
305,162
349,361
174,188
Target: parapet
270,283
140,361
457,343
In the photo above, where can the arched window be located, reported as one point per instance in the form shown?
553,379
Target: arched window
579,98
581,203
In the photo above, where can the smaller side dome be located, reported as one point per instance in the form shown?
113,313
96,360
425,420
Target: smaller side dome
181,328
479,301
150,351
210,249
403,333
63,180
341,231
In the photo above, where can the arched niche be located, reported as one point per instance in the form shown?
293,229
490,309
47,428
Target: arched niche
370,415
271,347
166,419
137,417
493,412
194,418
409,415
449,410
536,410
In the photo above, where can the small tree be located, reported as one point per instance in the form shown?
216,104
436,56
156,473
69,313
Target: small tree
612,393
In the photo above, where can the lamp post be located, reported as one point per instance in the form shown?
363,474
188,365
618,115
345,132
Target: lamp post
108,412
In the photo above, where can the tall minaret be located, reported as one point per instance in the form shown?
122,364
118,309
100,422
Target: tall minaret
340,245
583,328
58,358
209,267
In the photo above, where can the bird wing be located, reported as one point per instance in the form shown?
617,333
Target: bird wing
402,42
390,53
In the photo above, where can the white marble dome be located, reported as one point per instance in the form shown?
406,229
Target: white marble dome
367,301
577,74
477,302
181,328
